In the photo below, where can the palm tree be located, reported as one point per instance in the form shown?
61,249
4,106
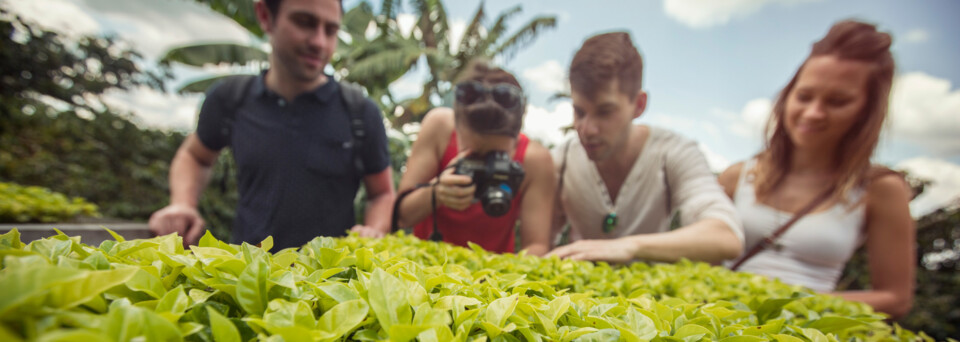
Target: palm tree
445,62
216,53
353,45
388,54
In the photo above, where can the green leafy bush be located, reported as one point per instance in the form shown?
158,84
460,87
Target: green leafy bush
22,204
936,304
398,288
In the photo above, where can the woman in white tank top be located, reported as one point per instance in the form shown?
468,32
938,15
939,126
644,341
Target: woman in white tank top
823,130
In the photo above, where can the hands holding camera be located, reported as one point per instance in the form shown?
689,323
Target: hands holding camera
452,190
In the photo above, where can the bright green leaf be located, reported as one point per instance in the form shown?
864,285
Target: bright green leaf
252,288
223,329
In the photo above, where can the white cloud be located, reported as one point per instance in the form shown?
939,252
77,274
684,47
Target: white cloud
548,77
717,162
926,110
751,120
946,183
690,127
707,13
457,28
156,109
545,125
151,27
59,15
411,84
156,26
405,23
916,36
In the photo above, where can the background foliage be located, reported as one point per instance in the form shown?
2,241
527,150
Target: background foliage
24,204
56,132
936,306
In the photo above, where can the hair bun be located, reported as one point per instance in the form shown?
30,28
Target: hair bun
857,40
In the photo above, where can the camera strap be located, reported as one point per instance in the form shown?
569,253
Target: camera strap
395,217
435,235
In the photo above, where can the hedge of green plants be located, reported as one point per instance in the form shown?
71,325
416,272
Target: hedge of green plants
398,288
22,204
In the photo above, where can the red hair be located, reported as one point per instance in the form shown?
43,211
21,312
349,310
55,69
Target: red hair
846,40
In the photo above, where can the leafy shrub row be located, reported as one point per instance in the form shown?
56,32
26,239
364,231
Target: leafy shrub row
23,204
398,288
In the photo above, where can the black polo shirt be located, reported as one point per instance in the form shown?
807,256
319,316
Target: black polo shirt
294,160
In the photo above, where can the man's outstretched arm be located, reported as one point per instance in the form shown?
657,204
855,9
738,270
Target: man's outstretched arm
380,196
713,232
189,175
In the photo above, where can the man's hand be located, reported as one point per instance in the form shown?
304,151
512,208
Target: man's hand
619,251
181,219
367,231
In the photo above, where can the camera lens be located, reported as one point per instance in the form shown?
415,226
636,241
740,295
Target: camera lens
496,200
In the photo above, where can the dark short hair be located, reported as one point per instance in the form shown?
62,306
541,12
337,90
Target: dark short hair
274,6
604,58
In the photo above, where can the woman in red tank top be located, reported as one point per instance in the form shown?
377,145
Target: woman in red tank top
486,117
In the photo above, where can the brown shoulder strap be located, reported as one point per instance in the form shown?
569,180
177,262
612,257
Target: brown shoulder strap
770,239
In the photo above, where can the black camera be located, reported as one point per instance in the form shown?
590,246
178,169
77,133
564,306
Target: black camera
497,178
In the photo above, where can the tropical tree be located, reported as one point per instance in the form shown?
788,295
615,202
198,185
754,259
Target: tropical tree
377,58
201,54
393,53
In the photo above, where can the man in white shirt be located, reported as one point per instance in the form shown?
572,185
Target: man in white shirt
621,183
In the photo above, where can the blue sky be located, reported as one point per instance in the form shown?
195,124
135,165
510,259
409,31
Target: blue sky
701,69
712,67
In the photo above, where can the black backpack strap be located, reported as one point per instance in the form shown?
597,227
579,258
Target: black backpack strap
354,99
236,88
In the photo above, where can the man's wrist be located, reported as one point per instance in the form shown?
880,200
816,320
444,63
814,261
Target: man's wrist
184,204
636,245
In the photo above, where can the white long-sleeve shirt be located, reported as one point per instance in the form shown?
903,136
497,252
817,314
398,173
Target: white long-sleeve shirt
670,174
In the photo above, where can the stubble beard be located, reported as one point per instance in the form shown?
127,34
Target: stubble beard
298,71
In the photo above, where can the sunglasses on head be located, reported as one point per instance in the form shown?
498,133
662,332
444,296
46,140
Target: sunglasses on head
507,96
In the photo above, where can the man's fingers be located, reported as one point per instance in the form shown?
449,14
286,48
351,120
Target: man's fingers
182,224
560,252
195,232
579,250
367,232
167,226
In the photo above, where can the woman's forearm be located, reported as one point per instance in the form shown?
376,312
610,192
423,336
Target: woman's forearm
888,302
415,207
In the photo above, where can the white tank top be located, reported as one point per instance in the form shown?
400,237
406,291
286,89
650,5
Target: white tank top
813,252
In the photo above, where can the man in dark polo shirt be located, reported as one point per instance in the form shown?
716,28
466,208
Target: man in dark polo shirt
291,136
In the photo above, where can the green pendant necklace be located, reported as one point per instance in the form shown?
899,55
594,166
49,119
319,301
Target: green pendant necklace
609,222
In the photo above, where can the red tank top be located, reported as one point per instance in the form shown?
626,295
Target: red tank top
472,224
